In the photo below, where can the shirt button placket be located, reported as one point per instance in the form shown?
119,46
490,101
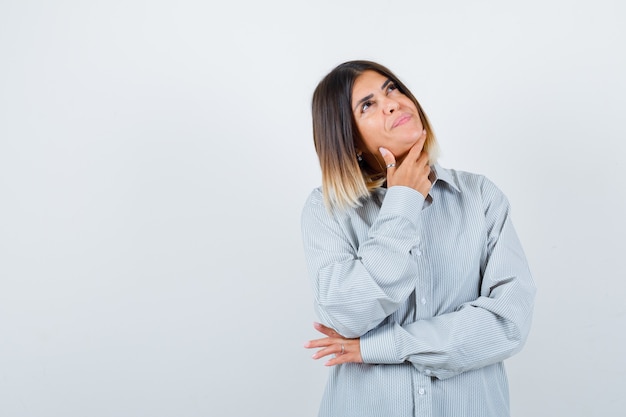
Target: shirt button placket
422,394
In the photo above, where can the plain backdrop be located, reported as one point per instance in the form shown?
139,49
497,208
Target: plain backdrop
155,157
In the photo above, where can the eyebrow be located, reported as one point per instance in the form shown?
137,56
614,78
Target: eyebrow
364,99
369,96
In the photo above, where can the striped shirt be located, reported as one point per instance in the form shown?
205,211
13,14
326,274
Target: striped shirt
438,290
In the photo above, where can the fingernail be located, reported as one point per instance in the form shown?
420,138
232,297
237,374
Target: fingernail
383,151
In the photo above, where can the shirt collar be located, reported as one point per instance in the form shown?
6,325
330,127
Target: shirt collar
445,175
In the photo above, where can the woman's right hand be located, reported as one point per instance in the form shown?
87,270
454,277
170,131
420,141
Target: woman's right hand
414,169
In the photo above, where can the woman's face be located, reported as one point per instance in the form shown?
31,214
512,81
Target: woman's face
384,116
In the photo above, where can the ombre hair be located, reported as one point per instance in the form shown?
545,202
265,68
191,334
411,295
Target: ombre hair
345,180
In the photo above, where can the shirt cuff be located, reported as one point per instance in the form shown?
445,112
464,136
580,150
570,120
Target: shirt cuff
401,201
378,346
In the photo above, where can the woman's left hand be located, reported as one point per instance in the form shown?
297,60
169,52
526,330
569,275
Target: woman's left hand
345,350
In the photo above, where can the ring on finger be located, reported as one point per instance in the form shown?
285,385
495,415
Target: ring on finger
391,165
343,350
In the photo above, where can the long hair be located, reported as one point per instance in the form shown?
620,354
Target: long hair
344,181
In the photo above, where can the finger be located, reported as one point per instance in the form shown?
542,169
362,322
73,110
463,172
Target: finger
326,330
317,343
334,349
416,149
346,358
346,347
337,360
390,160
424,159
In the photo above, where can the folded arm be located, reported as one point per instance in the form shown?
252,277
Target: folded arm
357,287
478,333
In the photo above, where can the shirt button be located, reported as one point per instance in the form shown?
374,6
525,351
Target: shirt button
428,372
421,391
418,252
423,300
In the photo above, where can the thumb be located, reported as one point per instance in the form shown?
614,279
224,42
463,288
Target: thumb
390,160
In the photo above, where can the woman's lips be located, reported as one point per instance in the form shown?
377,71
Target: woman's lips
401,120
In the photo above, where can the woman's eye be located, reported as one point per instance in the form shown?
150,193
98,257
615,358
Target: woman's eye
365,105
391,87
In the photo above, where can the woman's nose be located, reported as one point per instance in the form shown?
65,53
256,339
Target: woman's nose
391,106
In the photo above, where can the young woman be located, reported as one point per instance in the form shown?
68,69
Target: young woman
420,282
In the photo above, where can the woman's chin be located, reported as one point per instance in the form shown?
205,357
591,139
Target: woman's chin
402,151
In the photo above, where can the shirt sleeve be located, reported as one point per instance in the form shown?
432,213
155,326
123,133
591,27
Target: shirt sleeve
356,288
478,333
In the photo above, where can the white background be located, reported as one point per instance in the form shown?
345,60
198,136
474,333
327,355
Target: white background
155,157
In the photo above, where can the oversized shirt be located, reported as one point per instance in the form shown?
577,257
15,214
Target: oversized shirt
438,289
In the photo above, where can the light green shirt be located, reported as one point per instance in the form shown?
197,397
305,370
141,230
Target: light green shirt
438,290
